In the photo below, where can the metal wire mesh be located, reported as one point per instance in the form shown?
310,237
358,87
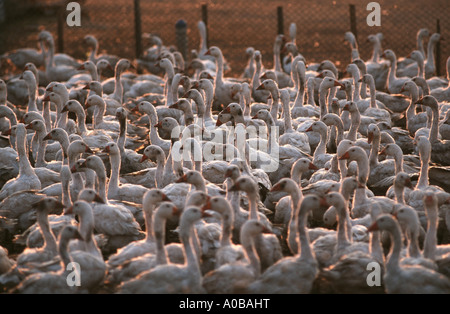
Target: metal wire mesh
233,25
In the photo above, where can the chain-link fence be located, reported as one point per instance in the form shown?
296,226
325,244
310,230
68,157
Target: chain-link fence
233,25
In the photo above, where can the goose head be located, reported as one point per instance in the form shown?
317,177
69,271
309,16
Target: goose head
153,152
302,165
95,163
402,179
182,104
192,176
319,127
29,78
167,124
52,97
123,65
417,56
435,37
329,82
263,114
79,147
252,228
384,222
198,198
78,166
246,184
367,79
89,195
80,208
332,119
30,116
90,41
36,125
153,196
233,172
73,106
389,55
235,89
88,65
111,148
218,204
121,114
270,85
428,101
361,66
372,132
430,200
214,51
354,153
57,134
286,185
408,218
167,210
48,205
103,65
233,108
391,149
351,106
67,233
95,100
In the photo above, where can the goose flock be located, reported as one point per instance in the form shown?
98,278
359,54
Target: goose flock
292,179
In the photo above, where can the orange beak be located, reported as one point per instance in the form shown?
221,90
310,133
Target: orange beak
369,137
312,166
373,227
144,158
345,156
182,179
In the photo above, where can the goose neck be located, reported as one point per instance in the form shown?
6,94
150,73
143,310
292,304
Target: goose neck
49,239
393,265
159,238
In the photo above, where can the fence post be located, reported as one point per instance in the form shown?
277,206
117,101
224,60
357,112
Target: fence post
280,20
438,50
181,37
137,28
353,20
60,25
205,20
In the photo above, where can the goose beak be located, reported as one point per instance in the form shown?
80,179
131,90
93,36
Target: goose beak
165,198
373,227
182,179
174,106
73,169
420,101
320,75
81,67
369,137
106,149
144,158
235,187
266,230
50,89
383,152
309,129
346,107
48,137
176,211
135,109
260,87
208,52
88,150
227,110
337,83
86,87
383,55
98,199
312,166
87,104
64,109
132,66
402,89
219,123
29,126
69,210
158,125
255,117
276,187
46,98
7,132
207,206
345,156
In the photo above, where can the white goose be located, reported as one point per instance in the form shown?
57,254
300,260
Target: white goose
407,279
27,178
172,278
124,192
